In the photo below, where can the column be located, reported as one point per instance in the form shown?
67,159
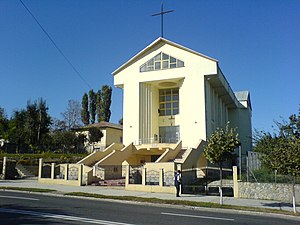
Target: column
52,171
161,177
80,174
144,176
66,171
235,182
127,175
4,167
40,168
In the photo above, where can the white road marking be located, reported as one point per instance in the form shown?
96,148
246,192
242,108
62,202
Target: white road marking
195,216
23,198
62,217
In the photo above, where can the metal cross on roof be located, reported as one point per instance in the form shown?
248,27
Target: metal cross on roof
161,13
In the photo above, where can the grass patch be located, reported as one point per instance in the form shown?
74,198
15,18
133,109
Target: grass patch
41,190
181,202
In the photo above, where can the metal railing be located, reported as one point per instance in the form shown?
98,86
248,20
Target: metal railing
156,141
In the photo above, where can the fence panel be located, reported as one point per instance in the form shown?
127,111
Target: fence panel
152,177
135,174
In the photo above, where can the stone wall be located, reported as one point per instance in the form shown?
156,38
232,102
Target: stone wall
270,191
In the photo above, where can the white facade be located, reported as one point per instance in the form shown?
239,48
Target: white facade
201,98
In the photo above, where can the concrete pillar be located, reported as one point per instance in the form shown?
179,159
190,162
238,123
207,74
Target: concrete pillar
127,175
80,174
41,162
144,176
161,177
235,182
66,171
4,167
52,171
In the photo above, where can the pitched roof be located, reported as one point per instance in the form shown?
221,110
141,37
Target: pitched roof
158,40
102,124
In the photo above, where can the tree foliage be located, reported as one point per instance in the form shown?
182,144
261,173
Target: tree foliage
281,150
95,134
221,144
98,105
67,142
29,128
92,105
106,93
3,124
85,114
219,148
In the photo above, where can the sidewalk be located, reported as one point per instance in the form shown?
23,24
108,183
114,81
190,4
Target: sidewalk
120,191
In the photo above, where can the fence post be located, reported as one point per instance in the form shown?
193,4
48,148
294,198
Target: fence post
161,177
144,176
52,171
40,168
235,182
80,174
4,167
66,171
127,175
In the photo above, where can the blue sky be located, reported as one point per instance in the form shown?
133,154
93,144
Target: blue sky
257,44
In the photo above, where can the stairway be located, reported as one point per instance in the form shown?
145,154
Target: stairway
181,154
23,172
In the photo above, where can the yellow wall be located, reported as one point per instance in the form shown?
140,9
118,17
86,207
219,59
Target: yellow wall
113,136
191,94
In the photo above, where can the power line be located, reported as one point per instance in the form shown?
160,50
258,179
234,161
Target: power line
55,45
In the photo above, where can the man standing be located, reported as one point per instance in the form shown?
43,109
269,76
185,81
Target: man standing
177,179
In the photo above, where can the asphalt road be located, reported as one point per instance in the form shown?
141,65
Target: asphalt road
25,208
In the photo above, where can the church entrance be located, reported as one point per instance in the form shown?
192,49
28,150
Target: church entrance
169,134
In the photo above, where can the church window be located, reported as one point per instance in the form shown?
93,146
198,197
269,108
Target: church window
169,102
161,61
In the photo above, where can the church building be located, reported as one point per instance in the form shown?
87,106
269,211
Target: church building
172,94
174,98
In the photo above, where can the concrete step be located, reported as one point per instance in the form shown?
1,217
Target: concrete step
23,172
180,154
117,182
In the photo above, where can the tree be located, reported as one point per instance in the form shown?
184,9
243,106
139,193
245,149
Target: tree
71,117
281,152
16,133
92,106
105,103
220,147
67,142
3,124
85,114
37,123
44,122
95,135
98,105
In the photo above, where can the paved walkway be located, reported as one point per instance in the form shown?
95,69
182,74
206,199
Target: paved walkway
120,191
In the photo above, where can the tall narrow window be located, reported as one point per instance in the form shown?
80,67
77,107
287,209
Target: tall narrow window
161,61
169,102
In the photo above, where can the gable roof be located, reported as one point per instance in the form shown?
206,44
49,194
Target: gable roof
158,40
102,125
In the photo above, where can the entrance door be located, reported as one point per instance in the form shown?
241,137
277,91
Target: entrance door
169,134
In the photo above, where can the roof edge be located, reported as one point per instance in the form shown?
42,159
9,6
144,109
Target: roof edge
154,43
